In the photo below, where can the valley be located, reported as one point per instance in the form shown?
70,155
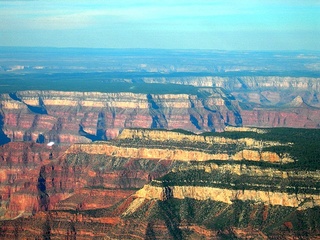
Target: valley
159,144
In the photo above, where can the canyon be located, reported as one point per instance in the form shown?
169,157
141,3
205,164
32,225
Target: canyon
215,103
159,144
71,117
145,184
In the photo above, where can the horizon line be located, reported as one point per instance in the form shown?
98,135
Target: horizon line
165,49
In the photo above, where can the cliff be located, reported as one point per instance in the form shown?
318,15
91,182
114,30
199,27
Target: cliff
142,185
229,196
272,88
265,101
175,146
70,117
19,176
190,138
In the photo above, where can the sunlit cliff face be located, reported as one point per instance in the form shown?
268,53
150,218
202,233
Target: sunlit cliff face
103,115
69,117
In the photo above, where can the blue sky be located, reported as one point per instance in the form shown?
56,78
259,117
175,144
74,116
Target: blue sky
225,25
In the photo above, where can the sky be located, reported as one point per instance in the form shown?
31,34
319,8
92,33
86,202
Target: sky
166,24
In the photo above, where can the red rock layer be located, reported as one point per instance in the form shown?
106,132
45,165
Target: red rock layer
295,117
20,166
36,177
82,117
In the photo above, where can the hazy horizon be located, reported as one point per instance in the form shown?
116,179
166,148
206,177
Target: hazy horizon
161,49
139,24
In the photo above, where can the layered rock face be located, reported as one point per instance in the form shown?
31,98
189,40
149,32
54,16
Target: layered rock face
114,190
273,101
19,176
271,89
273,196
68,117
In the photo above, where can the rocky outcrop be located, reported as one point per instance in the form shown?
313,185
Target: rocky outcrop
229,196
185,137
69,117
176,154
231,182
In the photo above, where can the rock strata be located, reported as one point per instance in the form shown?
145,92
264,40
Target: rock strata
149,184
70,117
229,196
